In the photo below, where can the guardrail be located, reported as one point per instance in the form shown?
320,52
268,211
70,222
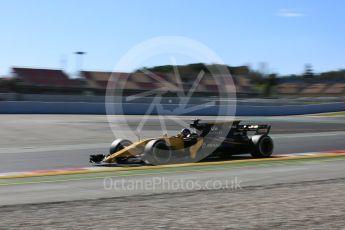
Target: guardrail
37,107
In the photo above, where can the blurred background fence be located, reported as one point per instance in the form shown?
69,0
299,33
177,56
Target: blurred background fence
33,90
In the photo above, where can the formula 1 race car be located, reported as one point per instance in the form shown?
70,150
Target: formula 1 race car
210,139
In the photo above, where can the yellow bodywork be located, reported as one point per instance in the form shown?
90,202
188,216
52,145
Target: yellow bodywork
131,150
137,148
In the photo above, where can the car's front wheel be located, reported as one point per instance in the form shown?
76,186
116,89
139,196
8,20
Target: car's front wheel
118,144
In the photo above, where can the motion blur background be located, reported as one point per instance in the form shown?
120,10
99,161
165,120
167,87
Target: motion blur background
277,52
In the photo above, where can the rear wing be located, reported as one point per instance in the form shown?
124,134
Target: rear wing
258,129
205,127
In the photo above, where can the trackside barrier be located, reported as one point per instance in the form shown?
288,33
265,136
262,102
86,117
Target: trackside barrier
37,107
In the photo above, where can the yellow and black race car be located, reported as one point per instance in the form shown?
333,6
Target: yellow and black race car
210,139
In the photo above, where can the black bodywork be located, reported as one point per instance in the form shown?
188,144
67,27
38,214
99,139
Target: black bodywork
238,138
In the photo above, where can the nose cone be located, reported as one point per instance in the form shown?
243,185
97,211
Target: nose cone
96,158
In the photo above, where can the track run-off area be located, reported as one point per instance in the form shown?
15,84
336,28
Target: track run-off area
46,180
175,167
41,149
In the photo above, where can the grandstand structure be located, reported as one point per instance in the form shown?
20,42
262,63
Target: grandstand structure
45,80
96,79
94,83
289,87
165,83
54,81
5,84
312,87
336,88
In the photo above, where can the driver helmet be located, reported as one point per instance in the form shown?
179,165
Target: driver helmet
185,132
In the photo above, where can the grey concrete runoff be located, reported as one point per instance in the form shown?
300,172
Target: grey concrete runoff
302,196
68,188
307,194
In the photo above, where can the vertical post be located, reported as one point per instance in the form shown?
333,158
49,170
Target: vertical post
79,61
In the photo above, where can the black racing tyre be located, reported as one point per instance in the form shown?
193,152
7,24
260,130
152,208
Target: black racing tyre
157,152
118,144
262,146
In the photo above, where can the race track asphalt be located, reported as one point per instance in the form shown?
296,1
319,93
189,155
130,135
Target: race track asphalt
297,193
37,142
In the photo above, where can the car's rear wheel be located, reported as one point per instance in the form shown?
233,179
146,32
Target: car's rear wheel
262,146
118,144
157,152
